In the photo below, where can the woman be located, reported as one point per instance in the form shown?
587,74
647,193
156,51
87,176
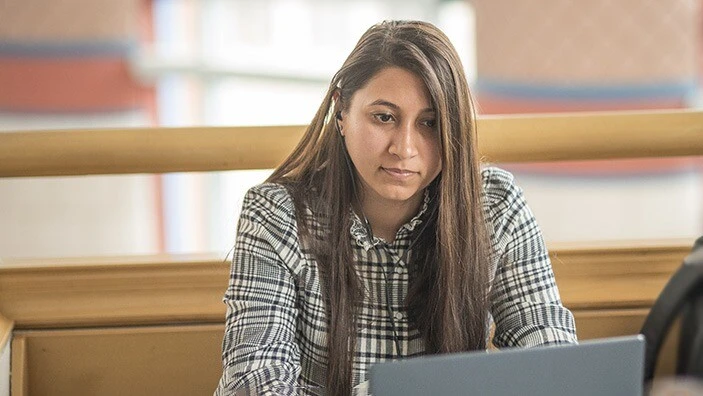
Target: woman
380,237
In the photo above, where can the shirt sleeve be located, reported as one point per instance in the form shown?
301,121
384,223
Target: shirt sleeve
260,355
525,301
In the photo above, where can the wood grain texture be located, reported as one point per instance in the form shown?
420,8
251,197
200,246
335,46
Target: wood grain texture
505,138
160,360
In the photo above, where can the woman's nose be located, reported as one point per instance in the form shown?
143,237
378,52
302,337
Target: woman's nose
403,144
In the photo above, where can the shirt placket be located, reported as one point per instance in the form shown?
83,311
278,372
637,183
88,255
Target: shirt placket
397,288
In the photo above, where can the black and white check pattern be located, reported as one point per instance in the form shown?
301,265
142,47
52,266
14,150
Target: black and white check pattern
275,335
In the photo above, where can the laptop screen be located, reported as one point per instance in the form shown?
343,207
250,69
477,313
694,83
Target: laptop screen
610,366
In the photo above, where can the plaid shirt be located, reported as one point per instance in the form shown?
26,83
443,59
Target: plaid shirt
275,336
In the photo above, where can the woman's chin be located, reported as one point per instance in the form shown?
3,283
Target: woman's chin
398,194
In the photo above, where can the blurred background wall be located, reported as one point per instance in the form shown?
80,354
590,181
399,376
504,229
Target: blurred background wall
567,55
68,65
99,63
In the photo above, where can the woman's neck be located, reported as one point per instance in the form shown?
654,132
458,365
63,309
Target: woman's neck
386,217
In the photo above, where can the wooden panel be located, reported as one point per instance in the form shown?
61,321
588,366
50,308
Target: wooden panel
117,295
618,275
608,323
178,360
159,150
176,289
19,382
127,290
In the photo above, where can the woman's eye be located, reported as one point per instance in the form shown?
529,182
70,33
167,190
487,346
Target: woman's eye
430,123
384,117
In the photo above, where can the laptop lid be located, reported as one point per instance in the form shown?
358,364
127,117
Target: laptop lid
609,366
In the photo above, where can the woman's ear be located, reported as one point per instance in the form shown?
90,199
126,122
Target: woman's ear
339,123
337,103
338,120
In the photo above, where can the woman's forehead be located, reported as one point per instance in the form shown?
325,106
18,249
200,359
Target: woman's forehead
394,87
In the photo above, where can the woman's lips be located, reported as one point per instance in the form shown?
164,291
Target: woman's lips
399,173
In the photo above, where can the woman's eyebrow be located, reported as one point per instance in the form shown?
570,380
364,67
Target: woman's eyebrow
383,102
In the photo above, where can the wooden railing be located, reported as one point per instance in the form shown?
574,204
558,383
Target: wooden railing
152,302
501,139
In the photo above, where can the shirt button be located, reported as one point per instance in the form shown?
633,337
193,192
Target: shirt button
398,270
398,316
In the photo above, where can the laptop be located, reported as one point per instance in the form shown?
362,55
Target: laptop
609,366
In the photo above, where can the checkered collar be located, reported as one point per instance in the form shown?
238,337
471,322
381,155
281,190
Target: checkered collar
360,233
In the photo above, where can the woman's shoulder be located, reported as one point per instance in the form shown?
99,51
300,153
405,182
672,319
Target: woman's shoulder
269,198
273,192
504,203
498,186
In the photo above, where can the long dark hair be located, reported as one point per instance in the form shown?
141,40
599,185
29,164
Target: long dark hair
447,299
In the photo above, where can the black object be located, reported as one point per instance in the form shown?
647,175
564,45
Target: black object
683,294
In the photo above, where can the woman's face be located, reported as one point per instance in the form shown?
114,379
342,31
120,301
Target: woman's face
390,131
